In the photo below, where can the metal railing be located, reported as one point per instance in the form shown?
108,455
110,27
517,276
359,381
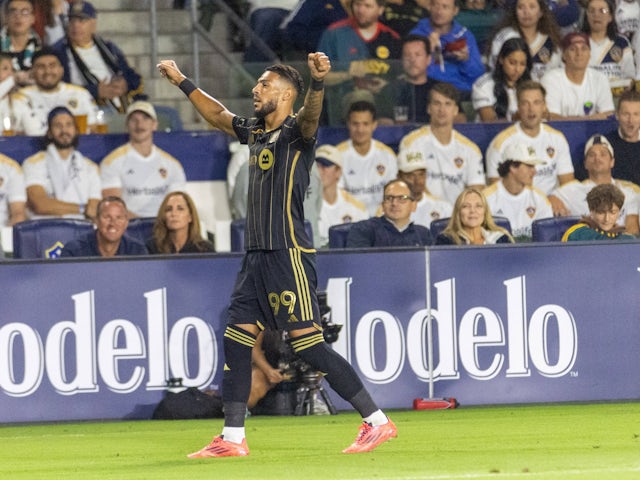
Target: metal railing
199,33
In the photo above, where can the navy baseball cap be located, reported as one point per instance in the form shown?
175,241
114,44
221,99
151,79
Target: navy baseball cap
82,10
57,111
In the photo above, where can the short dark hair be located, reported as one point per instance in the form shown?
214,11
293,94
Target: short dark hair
43,52
393,182
412,37
602,197
505,166
290,74
362,106
629,96
446,90
110,199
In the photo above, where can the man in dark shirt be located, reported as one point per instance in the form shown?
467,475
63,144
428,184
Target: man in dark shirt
394,228
109,239
626,138
276,287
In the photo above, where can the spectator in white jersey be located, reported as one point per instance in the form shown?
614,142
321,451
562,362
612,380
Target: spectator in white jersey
139,172
413,171
61,181
367,164
549,144
514,196
453,161
32,104
338,205
577,92
598,162
13,195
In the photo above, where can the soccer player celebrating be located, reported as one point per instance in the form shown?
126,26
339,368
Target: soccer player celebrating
276,286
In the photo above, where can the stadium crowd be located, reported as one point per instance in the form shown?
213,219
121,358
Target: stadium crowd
430,64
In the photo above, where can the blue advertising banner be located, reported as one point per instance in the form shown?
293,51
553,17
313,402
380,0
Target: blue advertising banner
523,323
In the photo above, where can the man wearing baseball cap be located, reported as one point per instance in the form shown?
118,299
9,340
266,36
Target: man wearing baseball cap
577,92
139,172
412,169
514,196
97,64
598,162
338,205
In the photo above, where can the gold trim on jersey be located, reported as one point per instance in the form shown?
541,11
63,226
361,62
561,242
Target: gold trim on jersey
289,196
237,335
306,341
302,284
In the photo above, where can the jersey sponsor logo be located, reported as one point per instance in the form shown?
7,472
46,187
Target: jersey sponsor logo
458,162
265,159
163,172
380,169
551,151
383,52
531,211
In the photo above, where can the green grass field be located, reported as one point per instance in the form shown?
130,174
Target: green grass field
585,441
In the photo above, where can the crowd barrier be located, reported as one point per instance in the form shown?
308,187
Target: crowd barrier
98,339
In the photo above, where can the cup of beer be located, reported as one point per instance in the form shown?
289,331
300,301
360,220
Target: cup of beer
81,123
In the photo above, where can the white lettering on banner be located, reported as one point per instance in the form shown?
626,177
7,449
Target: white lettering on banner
465,342
115,348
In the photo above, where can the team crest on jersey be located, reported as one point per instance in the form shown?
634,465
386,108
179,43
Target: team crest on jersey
616,53
531,211
380,169
265,159
347,219
551,151
1,181
544,55
434,215
73,104
458,162
163,172
383,52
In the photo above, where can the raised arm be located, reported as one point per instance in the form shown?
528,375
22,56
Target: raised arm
211,109
309,113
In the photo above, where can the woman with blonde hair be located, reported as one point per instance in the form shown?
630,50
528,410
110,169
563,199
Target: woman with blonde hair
177,227
471,223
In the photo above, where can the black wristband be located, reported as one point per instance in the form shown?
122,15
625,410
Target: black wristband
187,87
317,85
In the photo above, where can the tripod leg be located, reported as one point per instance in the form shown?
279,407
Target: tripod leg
327,400
302,399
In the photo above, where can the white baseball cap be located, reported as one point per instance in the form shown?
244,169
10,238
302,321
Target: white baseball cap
519,152
328,155
410,162
144,107
598,139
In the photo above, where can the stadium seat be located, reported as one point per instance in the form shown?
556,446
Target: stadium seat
45,238
237,234
338,235
168,119
551,229
437,226
141,229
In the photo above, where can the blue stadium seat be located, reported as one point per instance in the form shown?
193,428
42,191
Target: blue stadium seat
551,229
437,226
237,234
45,238
338,235
141,228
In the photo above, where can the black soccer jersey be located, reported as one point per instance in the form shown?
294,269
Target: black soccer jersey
279,165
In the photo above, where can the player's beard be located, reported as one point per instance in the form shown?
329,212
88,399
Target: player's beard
266,109
62,145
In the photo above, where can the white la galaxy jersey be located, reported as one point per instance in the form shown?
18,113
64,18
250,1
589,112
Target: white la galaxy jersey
550,145
574,197
430,208
31,106
364,176
346,209
12,187
451,167
521,209
144,180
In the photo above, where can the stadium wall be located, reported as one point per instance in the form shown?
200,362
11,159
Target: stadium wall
528,323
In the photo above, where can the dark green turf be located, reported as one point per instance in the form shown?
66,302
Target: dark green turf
600,441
